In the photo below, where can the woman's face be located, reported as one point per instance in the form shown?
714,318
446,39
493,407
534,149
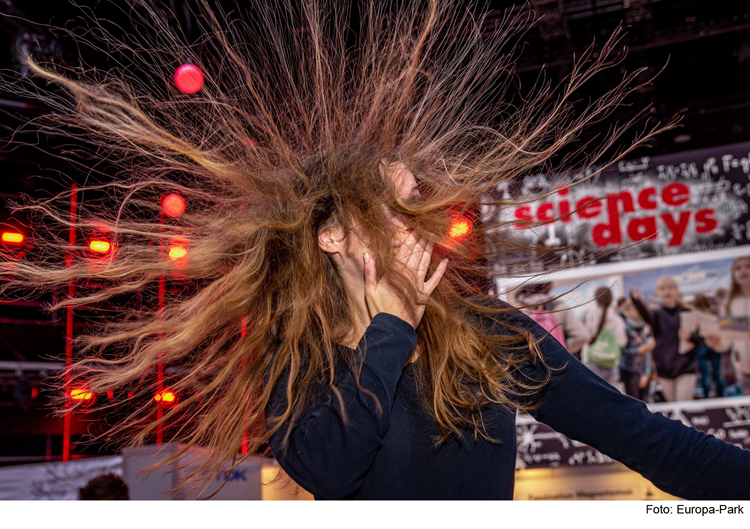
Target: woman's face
741,272
350,250
667,292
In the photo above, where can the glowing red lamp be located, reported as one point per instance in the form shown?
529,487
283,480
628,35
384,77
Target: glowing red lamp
460,228
173,205
166,397
177,251
99,246
81,395
188,78
12,237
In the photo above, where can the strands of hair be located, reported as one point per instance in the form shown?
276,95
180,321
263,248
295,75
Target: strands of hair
290,133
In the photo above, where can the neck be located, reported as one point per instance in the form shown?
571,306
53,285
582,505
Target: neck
355,290
670,305
745,290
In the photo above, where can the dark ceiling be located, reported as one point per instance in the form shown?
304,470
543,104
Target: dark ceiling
704,44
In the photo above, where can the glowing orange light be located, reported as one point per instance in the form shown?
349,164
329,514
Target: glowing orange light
166,397
173,205
12,237
460,228
177,251
81,394
100,247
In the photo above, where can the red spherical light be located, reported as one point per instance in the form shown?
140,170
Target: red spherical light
460,228
173,205
188,78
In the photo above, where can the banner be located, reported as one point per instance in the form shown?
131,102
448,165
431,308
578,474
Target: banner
539,446
689,202
54,481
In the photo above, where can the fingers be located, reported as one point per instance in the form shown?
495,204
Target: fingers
437,275
407,248
416,256
424,262
398,220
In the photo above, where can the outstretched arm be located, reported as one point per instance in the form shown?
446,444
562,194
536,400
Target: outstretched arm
678,459
641,308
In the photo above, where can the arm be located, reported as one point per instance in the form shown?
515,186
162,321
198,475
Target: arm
326,456
717,342
676,458
647,347
641,308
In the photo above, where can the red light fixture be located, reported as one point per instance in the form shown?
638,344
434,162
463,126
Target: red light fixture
82,395
166,397
188,78
460,228
177,251
99,246
12,237
173,205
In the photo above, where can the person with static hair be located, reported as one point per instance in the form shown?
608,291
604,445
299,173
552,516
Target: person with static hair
322,308
738,304
635,366
677,370
105,487
602,317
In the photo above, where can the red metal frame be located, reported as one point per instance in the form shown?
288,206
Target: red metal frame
69,325
160,366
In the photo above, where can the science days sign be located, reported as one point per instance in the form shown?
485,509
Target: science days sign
688,202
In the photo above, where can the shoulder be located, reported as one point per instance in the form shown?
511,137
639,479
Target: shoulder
502,311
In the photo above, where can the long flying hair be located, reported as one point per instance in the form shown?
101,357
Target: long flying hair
288,135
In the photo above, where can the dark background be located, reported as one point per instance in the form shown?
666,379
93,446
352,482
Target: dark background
705,45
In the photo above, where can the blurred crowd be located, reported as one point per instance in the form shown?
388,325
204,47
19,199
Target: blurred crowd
648,350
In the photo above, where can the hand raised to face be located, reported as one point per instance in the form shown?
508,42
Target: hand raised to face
415,254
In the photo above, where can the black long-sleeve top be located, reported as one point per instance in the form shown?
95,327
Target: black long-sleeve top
666,325
391,455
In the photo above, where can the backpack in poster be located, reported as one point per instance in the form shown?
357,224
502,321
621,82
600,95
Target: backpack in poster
604,351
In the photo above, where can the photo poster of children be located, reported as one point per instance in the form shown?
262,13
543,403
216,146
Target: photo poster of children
701,288
710,280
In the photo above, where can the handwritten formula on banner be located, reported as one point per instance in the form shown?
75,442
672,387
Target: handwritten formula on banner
539,446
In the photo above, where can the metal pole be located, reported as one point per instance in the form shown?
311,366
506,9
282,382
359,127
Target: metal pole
160,366
69,325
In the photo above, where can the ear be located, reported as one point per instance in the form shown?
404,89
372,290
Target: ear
331,239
